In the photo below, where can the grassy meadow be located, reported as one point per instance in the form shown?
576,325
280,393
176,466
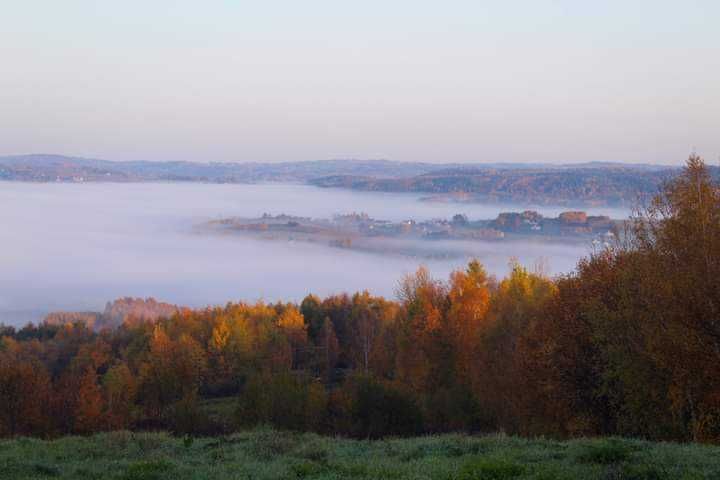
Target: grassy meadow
271,454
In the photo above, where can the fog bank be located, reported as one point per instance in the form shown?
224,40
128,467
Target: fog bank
75,246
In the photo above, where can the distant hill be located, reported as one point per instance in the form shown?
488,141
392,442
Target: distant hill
607,184
52,168
595,183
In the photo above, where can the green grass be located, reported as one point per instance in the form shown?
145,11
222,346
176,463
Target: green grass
269,454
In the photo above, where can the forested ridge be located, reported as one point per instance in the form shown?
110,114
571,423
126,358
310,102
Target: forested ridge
572,185
628,344
604,184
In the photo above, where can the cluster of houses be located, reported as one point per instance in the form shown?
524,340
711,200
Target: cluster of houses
529,222
567,223
342,229
431,229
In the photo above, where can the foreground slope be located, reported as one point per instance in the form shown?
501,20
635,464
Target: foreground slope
269,454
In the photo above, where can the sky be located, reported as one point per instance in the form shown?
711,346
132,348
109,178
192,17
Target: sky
450,81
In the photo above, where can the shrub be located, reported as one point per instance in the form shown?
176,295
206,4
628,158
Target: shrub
379,409
185,418
283,400
454,409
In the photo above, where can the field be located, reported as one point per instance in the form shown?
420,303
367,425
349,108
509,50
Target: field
269,454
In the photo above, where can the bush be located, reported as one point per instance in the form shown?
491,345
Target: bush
185,418
379,409
454,409
284,400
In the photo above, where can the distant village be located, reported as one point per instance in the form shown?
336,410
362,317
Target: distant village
567,223
356,230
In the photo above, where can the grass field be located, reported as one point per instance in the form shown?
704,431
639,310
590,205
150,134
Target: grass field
269,454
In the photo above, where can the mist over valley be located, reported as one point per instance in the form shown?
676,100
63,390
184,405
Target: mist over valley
75,246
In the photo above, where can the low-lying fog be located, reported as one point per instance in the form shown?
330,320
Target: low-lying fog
75,246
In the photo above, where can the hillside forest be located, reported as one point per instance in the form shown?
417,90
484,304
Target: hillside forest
628,344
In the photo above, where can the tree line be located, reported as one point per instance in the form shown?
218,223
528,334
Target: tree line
627,344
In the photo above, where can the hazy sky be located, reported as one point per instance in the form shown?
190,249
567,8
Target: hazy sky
460,81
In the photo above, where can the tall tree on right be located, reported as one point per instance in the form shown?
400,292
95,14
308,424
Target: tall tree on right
677,241
647,316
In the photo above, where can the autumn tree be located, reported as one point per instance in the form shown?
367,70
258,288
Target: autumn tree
424,353
314,316
89,404
174,369
500,380
327,351
469,297
675,244
631,345
120,390
24,392
292,324
370,317
221,376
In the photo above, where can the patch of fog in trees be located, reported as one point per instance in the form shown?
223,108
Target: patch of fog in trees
76,246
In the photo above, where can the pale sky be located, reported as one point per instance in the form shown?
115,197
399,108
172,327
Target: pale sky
435,81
